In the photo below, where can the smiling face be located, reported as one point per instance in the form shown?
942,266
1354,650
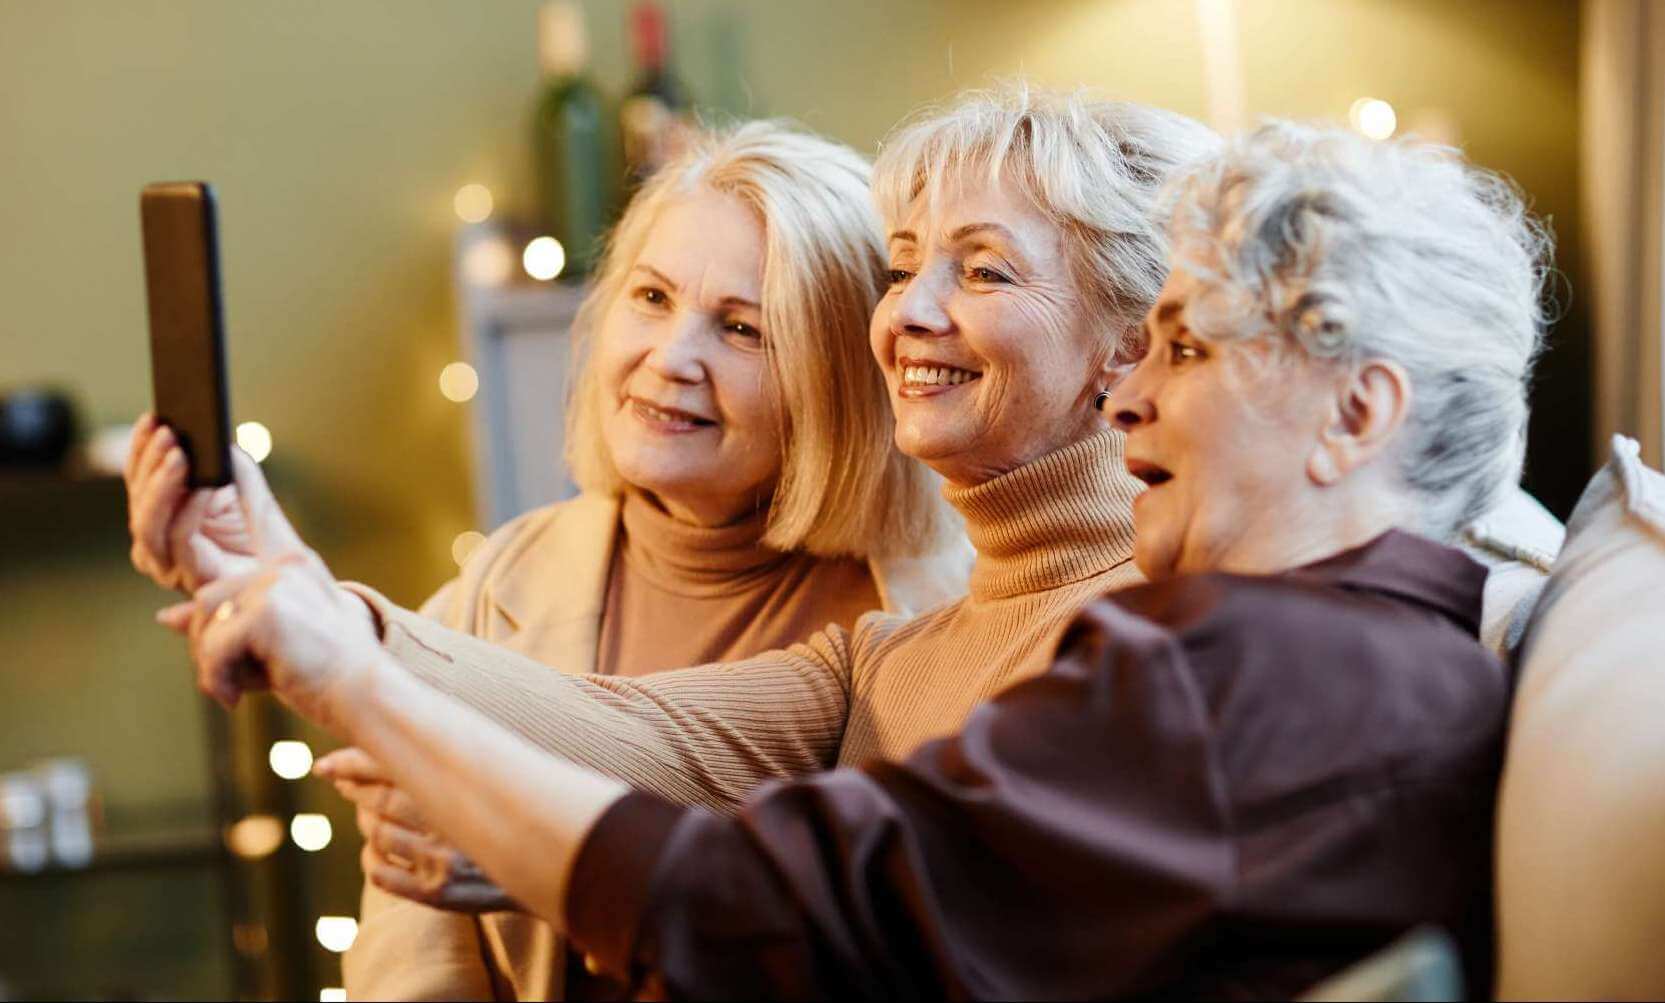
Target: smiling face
690,411
988,353
1225,437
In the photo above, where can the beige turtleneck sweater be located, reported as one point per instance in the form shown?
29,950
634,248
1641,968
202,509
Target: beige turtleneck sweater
684,595
1050,536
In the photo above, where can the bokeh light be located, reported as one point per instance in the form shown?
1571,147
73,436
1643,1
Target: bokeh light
488,262
464,545
290,759
544,258
310,831
1373,117
459,382
255,439
253,837
337,933
472,203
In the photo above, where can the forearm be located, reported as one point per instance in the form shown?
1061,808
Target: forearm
706,736
486,790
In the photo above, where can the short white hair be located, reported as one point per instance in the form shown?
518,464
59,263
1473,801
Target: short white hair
1352,249
844,488
1095,167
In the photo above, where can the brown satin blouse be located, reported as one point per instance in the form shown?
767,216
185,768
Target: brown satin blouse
1224,786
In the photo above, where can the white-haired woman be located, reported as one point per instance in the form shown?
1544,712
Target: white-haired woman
1230,782
740,488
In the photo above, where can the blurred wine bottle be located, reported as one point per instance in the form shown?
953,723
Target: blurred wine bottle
653,120
570,137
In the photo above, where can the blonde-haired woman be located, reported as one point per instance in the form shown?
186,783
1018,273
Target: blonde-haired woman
740,490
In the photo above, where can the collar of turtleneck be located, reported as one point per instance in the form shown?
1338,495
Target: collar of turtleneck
694,560
1060,519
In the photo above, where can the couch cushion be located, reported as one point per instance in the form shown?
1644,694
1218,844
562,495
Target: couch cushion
1581,820
1517,542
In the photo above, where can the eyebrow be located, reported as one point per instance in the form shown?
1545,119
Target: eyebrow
974,229
667,280
1165,312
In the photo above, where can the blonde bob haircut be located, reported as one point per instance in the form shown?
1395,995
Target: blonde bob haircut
844,489
1096,168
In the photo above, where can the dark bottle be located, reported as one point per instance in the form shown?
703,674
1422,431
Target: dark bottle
653,122
570,138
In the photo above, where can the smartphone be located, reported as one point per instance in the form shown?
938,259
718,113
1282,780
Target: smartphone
187,324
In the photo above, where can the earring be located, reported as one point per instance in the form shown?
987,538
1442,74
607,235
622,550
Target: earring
1100,399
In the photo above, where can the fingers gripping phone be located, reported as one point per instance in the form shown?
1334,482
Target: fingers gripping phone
187,324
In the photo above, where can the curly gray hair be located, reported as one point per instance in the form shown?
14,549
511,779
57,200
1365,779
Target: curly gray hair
1353,249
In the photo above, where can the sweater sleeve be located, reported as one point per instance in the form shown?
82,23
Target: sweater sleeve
1070,842
701,736
408,951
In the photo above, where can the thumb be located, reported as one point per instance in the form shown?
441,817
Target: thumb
273,535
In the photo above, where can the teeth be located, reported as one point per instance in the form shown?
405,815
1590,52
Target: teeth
930,376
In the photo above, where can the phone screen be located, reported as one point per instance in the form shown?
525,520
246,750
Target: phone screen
187,325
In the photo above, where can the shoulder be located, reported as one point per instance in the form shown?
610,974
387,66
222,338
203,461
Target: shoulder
552,547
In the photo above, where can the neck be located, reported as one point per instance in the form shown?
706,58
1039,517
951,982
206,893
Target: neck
706,511
1328,522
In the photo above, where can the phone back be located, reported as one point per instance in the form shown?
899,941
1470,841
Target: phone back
187,326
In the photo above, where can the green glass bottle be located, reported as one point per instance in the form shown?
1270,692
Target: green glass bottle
570,138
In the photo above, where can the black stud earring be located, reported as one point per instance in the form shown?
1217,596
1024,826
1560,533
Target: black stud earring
1100,399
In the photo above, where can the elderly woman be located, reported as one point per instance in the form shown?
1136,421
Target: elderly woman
740,486
1230,781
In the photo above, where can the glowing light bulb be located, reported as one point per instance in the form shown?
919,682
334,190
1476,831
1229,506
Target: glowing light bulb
472,203
1373,117
459,382
290,759
464,545
255,836
311,832
332,994
336,933
255,439
544,258
488,262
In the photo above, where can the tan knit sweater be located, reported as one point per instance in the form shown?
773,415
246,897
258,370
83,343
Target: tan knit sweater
1050,536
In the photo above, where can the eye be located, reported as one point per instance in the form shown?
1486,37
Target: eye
983,273
743,330
652,295
899,276
1179,353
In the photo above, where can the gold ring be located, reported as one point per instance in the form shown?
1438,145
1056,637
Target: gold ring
225,611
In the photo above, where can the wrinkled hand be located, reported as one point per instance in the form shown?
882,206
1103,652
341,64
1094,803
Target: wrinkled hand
400,855
183,539
288,627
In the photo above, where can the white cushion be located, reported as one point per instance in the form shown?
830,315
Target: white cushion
1581,820
1517,542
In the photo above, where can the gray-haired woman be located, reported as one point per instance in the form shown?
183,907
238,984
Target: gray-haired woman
1231,781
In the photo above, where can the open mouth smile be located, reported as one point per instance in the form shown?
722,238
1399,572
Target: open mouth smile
928,378
667,419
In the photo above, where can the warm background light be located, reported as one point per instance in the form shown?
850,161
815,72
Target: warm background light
1373,117
310,831
337,933
544,258
290,759
459,382
464,545
488,262
255,836
472,203
255,439
332,994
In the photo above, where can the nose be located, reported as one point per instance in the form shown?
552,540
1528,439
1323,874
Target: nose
920,310
1130,404
678,356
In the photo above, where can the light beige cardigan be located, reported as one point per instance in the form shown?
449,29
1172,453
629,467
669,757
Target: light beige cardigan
537,587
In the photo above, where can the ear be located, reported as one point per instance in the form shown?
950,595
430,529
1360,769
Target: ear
1371,405
1130,349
